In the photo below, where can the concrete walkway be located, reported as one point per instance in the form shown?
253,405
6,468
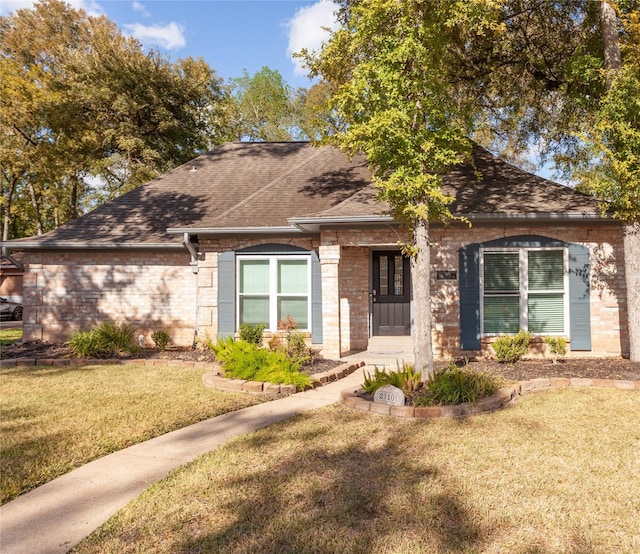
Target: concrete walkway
56,516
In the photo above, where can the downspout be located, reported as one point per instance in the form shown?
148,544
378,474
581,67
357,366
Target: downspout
5,254
195,256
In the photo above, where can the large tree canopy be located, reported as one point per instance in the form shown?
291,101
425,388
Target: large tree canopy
415,80
79,101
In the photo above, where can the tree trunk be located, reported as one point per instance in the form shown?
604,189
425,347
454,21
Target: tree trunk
421,296
610,40
6,216
612,63
632,276
36,208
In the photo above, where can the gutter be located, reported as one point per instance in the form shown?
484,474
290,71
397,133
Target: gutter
88,245
233,230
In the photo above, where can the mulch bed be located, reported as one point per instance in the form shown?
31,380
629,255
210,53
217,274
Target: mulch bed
591,368
41,350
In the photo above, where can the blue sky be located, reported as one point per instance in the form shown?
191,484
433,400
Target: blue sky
231,35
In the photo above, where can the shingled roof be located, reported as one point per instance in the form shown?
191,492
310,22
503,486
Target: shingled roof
253,187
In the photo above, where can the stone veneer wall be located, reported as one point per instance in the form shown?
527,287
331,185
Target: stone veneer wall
73,291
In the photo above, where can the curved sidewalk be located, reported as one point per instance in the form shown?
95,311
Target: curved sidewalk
56,516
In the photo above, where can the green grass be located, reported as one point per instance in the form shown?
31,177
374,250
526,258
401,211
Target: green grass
9,336
557,472
53,419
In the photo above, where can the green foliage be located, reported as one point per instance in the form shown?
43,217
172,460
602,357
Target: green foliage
118,337
89,344
80,99
252,333
557,347
456,385
406,379
510,349
161,339
102,341
243,360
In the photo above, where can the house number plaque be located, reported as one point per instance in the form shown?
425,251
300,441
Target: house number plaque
390,395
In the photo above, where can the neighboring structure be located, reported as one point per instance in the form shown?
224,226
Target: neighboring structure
253,232
11,275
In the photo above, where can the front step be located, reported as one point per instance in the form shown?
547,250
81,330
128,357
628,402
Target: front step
389,352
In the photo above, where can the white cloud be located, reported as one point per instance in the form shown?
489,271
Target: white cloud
307,29
92,7
139,7
169,37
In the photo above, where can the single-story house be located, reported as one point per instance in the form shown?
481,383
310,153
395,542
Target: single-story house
255,232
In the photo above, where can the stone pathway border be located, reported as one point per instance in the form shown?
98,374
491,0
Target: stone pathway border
215,380
505,396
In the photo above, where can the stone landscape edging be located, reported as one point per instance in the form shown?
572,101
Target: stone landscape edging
215,379
503,398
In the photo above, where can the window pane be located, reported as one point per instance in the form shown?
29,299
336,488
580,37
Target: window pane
546,313
501,314
254,310
501,271
398,276
254,276
292,276
546,270
384,275
297,308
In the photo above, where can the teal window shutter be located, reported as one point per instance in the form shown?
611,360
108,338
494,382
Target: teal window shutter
316,300
226,294
469,285
579,297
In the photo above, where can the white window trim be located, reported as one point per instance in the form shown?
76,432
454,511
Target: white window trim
273,287
524,287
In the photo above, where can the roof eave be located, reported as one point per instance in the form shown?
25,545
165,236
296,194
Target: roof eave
540,217
89,245
217,231
313,224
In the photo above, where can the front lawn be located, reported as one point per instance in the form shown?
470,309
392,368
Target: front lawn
10,336
557,472
56,418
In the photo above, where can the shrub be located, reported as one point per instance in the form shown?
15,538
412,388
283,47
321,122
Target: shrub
161,339
252,333
457,385
406,379
118,337
510,349
243,360
102,341
88,344
557,347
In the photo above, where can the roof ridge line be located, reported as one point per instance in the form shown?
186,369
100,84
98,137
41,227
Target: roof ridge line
269,185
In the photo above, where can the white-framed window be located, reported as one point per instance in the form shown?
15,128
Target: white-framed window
270,288
524,289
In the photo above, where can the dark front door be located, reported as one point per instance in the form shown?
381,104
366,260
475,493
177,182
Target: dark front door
390,294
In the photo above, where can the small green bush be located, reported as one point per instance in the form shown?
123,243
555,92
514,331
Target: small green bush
406,379
557,347
89,344
457,385
118,337
161,339
243,360
510,349
252,333
102,341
